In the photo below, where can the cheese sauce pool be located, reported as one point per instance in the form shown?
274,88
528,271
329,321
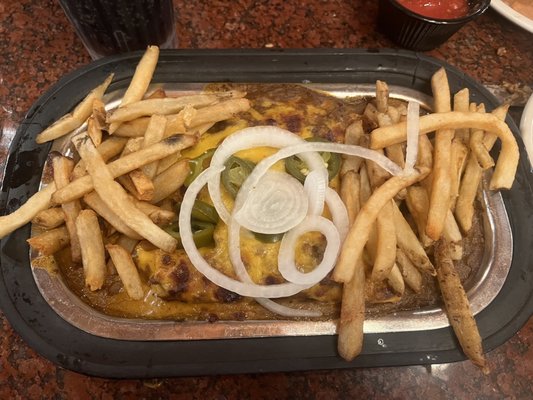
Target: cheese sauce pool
445,9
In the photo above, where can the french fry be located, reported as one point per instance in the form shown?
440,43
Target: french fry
63,167
418,204
464,208
158,215
167,162
141,79
357,237
170,180
92,249
478,147
127,271
458,307
159,93
396,282
38,202
51,241
168,105
439,197
350,188
94,201
461,101
124,165
410,273
382,96
94,132
154,133
408,242
217,112
108,149
453,236
350,329
371,114
74,120
458,158
386,245
144,187
50,218
116,198
354,134
507,163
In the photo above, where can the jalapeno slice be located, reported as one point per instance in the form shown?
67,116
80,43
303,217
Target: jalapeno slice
267,237
235,173
202,211
197,165
297,168
202,233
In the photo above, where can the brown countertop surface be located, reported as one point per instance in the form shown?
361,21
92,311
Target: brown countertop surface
38,46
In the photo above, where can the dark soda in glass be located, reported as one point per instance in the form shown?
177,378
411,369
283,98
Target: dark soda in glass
117,26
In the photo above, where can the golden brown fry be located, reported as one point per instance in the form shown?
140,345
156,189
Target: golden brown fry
63,167
396,282
154,133
408,242
464,208
127,271
461,101
92,249
353,135
144,186
124,165
50,242
350,329
371,113
94,201
350,188
109,148
158,215
116,198
217,112
357,237
410,273
50,218
418,204
386,244
478,147
452,234
168,105
459,156
458,307
169,181
94,132
167,162
439,198
507,163
74,120
382,96
38,202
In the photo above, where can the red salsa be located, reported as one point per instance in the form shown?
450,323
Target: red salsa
439,9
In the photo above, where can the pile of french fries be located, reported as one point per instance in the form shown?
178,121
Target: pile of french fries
383,252
118,192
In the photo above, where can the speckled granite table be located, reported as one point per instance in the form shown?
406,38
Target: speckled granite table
37,46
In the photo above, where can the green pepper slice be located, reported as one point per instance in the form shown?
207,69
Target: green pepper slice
205,212
297,168
235,173
197,165
202,233
268,238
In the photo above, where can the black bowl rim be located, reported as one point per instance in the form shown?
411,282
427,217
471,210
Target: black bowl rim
485,4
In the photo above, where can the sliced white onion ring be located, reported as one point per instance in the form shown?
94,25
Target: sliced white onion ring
248,138
338,211
275,205
315,186
286,257
411,152
215,276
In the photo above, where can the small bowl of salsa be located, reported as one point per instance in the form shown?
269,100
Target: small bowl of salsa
425,24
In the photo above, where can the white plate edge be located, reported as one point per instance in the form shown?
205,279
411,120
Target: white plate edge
512,15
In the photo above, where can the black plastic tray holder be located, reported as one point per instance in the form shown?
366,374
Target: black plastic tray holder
74,349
